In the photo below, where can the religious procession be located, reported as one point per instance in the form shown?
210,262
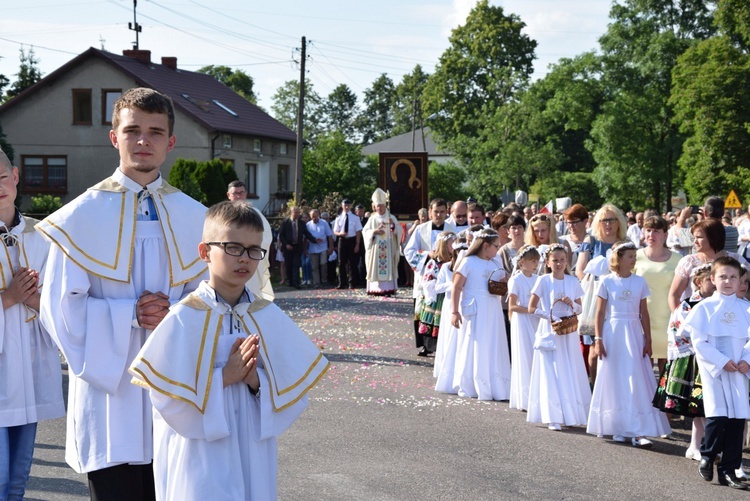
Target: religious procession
616,322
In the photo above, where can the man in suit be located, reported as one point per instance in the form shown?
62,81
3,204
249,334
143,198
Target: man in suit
292,232
348,229
417,251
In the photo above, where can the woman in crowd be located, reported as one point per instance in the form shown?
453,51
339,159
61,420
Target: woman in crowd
541,233
656,263
709,238
575,219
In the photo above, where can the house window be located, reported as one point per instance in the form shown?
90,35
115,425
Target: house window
227,142
282,149
283,173
256,144
44,174
251,180
109,96
81,106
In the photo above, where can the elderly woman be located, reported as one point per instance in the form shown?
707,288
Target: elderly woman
575,219
709,238
657,264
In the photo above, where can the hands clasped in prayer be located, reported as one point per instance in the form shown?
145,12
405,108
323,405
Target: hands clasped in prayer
243,363
151,308
22,289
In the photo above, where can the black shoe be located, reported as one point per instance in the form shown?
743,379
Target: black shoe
731,480
706,469
423,352
340,287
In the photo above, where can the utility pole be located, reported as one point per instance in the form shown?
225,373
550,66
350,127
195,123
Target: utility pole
134,26
300,116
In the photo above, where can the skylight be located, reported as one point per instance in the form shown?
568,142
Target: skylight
225,108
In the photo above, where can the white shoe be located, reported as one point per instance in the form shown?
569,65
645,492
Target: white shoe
641,442
693,454
740,473
619,438
555,427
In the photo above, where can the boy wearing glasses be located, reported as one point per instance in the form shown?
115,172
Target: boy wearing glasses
227,373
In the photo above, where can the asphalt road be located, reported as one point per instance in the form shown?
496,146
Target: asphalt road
376,430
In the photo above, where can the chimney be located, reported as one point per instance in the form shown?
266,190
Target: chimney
169,62
140,55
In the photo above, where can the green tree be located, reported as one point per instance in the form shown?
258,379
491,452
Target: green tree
711,97
237,80
6,146
579,186
448,181
375,123
339,111
488,60
204,181
286,103
407,105
28,73
334,164
634,139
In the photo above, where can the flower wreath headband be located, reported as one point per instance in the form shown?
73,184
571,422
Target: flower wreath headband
525,251
557,247
459,245
623,246
446,236
700,269
483,234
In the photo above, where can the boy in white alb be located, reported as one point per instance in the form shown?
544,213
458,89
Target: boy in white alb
227,373
718,329
30,375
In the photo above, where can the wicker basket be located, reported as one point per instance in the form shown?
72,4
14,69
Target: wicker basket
496,287
565,325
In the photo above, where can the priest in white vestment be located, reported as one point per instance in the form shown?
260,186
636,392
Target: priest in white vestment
122,253
382,235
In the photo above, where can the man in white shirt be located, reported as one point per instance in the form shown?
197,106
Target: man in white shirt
122,253
459,215
635,231
319,252
348,228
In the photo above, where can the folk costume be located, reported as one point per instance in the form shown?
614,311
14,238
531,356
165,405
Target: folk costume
680,389
216,442
522,333
718,329
381,250
109,245
30,375
624,388
416,253
559,391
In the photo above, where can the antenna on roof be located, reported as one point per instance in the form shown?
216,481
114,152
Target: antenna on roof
134,26
102,41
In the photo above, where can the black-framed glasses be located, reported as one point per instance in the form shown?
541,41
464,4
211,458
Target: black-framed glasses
608,220
460,216
235,249
539,217
574,221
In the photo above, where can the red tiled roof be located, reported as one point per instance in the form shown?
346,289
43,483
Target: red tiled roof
211,103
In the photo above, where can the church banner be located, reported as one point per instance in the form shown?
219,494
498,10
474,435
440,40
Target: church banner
404,176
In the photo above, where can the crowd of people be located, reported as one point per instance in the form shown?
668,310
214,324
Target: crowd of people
568,316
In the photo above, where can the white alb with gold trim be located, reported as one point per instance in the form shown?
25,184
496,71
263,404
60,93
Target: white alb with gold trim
97,229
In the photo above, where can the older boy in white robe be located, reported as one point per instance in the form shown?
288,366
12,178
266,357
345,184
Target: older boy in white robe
122,253
718,329
227,373
30,375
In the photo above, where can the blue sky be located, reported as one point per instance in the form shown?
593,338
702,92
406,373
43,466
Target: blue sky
350,42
